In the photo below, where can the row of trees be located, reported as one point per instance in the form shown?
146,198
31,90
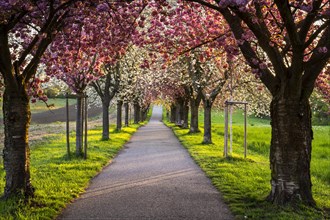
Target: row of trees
196,46
286,44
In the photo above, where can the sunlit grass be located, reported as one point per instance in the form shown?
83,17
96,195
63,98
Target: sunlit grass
40,106
244,183
58,179
53,103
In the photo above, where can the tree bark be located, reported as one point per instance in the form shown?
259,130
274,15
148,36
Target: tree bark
207,122
137,113
178,112
126,107
185,114
173,113
79,126
290,153
16,152
145,113
105,121
194,105
119,115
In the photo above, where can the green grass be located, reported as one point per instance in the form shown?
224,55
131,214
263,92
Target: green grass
244,183
55,103
40,106
57,179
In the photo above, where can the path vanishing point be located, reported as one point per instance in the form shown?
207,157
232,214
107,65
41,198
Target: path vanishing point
153,178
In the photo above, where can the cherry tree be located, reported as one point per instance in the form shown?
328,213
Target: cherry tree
176,28
72,58
100,38
287,44
106,88
26,30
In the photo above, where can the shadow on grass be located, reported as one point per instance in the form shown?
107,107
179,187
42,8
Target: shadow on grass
232,159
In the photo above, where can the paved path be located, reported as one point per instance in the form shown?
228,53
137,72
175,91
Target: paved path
153,178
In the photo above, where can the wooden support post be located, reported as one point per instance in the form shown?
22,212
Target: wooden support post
230,103
230,129
225,152
245,132
85,120
67,126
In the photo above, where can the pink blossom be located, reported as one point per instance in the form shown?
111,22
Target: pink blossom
322,49
263,66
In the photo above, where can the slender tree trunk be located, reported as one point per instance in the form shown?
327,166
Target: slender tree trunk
185,114
16,152
145,113
207,122
119,114
173,113
290,153
194,105
79,126
137,113
105,120
178,113
126,107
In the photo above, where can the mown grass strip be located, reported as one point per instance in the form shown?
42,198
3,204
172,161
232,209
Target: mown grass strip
244,183
57,179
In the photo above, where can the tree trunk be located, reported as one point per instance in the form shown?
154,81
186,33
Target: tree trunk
185,115
207,122
137,113
16,152
173,113
105,120
194,105
119,115
290,152
79,126
145,113
178,113
126,107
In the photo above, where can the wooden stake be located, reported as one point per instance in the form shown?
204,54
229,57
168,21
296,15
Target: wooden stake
67,126
245,132
85,120
230,129
225,153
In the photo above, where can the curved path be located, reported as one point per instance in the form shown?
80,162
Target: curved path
153,178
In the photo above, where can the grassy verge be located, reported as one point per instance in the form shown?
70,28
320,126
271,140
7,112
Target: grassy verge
54,103
244,183
57,179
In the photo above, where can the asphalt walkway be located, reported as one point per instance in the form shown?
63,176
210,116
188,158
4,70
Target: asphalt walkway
153,178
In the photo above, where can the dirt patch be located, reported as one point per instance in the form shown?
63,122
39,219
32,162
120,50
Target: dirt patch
60,115
53,122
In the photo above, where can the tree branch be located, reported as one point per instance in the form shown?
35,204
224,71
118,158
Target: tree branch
285,11
6,67
309,20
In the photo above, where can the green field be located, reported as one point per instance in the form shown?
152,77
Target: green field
54,103
57,179
40,106
244,183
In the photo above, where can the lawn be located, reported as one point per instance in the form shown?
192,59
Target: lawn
244,183
40,106
54,103
57,179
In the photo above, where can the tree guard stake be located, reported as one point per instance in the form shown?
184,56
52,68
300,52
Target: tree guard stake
227,104
86,117
67,125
